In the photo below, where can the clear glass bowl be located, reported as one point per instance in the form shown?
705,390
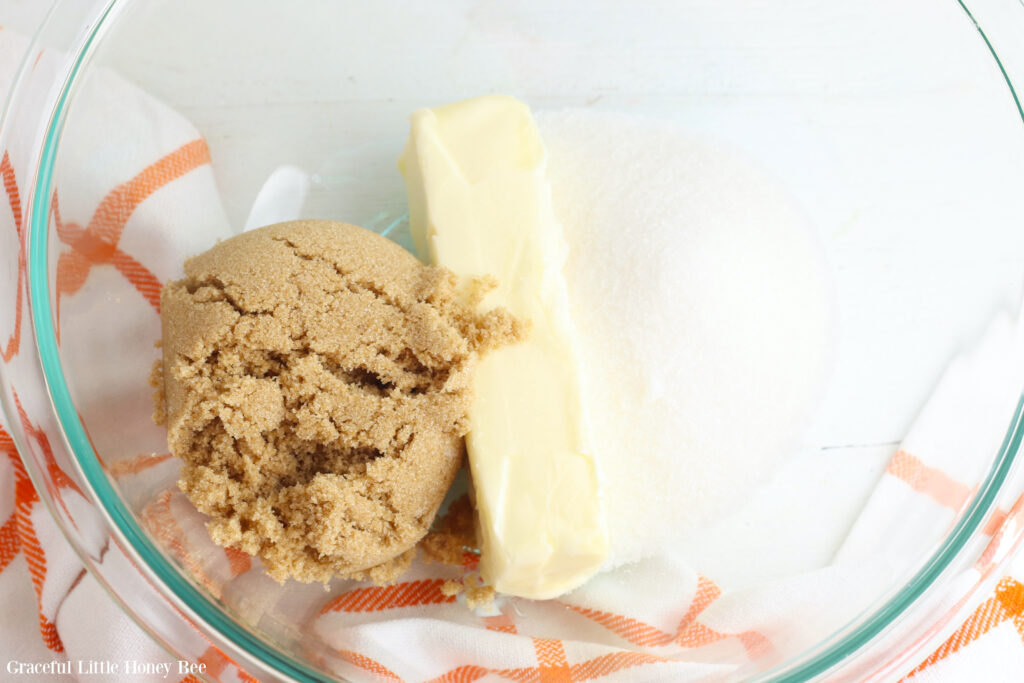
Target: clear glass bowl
896,128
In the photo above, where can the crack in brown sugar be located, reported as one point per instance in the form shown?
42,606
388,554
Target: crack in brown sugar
352,281
215,286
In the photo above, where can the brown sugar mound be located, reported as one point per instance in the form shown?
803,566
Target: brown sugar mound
315,382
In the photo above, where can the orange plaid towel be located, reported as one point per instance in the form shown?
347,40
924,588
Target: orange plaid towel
658,620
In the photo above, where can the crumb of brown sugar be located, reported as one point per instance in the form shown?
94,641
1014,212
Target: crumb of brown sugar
478,594
448,542
156,380
452,535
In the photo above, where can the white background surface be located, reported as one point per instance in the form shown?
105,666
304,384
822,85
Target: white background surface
909,163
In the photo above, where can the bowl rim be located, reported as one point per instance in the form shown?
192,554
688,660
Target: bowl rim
182,591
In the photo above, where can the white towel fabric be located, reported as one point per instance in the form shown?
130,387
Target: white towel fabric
136,169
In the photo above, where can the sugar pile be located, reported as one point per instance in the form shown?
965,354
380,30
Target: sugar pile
700,298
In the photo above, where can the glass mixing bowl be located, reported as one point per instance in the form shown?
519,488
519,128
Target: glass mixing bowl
896,127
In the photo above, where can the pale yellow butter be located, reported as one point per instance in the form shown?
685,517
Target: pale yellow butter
479,204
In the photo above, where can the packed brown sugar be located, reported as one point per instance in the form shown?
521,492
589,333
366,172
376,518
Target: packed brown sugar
315,382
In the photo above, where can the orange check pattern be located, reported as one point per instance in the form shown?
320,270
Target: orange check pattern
629,645
95,245
18,541
1005,606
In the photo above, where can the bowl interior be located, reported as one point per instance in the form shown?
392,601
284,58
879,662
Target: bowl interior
891,127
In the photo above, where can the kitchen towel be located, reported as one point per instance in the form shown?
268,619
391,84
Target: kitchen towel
656,620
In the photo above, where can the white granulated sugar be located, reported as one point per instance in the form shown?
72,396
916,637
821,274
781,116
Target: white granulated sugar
700,298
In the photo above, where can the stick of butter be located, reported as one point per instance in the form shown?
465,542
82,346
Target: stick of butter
479,204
